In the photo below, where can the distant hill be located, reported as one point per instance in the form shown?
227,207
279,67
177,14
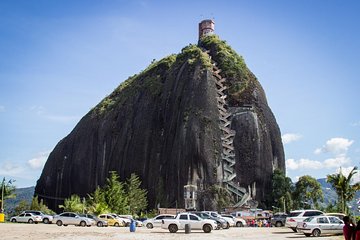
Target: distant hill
21,194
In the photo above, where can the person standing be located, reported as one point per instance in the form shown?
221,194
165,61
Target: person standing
348,229
357,234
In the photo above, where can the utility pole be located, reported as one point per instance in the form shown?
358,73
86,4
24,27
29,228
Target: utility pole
2,195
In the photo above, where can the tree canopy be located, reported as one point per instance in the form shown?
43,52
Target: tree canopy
344,188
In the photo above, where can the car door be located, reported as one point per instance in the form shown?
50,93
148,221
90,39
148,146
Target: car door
336,225
195,222
183,219
324,224
21,218
157,221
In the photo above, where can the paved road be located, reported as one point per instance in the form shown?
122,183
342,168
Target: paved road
9,231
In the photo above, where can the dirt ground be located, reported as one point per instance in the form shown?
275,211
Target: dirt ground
12,231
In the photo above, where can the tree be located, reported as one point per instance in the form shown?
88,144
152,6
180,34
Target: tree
307,192
40,206
96,202
282,188
22,206
72,204
114,194
344,190
137,200
7,191
222,197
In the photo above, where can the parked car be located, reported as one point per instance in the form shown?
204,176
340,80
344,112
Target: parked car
26,218
221,223
278,220
183,219
339,215
125,220
297,216
156,221
45,217
70,218
99,222
239,222
111,220
137,222
216,215
320,225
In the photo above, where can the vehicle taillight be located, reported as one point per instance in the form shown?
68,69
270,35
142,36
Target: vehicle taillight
291,220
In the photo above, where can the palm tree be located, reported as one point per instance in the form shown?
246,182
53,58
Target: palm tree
343,187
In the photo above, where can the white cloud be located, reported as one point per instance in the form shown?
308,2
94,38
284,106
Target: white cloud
355,124
290,137
39,161
339,160
303,163
2,108
10,169
335,145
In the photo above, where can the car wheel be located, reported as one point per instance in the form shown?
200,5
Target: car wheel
294,229
59,223
117,224
218,226
46,221
207,228
149,225
316,233
65,225
239,224
227,226
307,234
83,223
30,221
13,220
173,228
99,224
278,224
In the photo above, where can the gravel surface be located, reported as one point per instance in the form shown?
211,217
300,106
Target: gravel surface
11,231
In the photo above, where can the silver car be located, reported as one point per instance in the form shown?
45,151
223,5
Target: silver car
45,217
319,225
26,218
70,218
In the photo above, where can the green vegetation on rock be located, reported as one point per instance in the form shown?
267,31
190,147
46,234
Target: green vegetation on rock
241,81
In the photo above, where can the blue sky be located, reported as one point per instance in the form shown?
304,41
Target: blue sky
58,59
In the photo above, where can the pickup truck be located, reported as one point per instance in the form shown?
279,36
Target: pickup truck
195,222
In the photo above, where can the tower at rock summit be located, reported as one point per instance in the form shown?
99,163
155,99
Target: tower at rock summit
198,118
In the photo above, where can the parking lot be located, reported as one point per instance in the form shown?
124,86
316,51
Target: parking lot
10,231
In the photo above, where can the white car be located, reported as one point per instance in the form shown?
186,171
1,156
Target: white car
185,219
319,225
156,221
297,216
26,218
137,222
230,221
70,218
239,222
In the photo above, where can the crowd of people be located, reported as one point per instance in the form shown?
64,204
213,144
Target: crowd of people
258,223
351,232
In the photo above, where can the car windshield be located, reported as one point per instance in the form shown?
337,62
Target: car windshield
294,214
308,219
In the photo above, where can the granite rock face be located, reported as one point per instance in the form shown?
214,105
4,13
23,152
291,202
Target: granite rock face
162,124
